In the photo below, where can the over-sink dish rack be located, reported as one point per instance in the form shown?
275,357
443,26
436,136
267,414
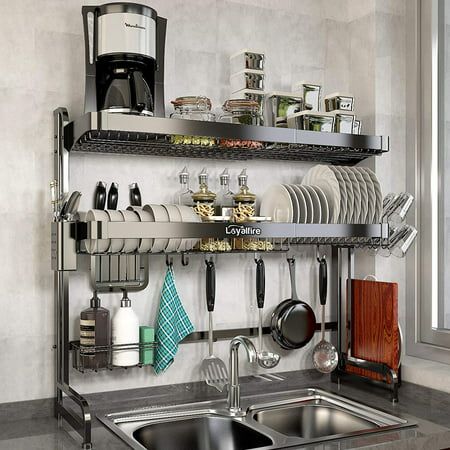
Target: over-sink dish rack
130,134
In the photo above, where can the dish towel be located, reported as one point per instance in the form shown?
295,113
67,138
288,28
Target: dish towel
172,324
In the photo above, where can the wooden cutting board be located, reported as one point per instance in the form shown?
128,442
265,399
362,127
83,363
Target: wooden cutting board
374,324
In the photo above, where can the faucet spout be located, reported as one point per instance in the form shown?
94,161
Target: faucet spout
234,394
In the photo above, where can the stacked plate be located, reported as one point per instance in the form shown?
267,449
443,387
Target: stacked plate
148,213
327,194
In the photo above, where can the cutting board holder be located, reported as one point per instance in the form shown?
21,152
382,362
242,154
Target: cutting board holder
343,269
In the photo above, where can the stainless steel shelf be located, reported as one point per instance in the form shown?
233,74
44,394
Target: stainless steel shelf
148,230
128,134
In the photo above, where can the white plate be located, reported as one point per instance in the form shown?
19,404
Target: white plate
316,205
131,245
144,216
371,199
325,212
350,217
356,193
378,195
160,215
325,178
303,207
344,195
364,194
296,207
309,204
276,203
188,215
116,245
174,217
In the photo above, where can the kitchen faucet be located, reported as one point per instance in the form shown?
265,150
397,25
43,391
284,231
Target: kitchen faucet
234,394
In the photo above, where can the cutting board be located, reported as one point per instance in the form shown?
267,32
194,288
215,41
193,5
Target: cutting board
374,324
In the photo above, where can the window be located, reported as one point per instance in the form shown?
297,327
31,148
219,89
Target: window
428,130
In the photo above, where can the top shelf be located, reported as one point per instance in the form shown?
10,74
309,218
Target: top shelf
105,132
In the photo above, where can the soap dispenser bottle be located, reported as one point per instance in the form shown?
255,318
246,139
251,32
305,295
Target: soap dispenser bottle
95,331
125,331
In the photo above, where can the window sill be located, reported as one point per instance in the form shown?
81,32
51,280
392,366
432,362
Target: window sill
427,373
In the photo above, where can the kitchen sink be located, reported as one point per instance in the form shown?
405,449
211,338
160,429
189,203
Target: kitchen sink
202,433
312,421
272,421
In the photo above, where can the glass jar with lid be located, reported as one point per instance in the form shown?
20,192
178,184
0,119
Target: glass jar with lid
243,112
193,107
244,211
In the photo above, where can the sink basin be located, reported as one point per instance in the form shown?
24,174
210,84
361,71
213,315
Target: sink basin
201,433
271,421
312,421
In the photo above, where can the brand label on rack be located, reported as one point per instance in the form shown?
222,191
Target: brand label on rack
242,230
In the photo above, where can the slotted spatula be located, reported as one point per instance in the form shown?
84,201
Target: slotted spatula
213,369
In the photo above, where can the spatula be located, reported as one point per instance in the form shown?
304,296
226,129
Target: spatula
213,369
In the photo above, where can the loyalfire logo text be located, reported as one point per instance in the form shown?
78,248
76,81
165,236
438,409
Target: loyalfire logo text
242,230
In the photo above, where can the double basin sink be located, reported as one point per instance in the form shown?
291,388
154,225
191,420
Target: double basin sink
273,421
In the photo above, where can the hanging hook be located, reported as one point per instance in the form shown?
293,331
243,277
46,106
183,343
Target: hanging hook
169,261
184,259
319,258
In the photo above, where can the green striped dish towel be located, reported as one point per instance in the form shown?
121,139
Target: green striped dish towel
172,324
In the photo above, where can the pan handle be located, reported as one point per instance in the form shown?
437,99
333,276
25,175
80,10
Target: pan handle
323,280
260,282
210,285
291,262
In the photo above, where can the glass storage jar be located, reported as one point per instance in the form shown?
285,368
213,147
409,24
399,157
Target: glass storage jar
193,107
242,112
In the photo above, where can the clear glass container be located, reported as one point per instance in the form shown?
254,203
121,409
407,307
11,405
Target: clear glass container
242,112
224,203
244,211
204,206
224,207
193,108
184,195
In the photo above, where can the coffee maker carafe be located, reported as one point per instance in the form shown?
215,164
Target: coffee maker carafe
124,46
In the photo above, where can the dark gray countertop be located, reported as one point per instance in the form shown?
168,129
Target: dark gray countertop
428,407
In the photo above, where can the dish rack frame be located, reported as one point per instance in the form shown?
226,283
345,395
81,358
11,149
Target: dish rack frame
127,134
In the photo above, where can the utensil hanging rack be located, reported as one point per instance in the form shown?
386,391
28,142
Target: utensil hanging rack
128,134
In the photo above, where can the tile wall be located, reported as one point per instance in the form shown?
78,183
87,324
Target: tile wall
342,44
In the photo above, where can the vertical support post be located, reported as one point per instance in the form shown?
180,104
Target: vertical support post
336,304
82,424
350,276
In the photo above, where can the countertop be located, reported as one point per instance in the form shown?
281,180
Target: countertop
428,407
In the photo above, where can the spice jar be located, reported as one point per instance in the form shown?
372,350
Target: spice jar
244,211
243,112
193,108
203,201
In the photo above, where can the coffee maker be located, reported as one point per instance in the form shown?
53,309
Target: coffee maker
124,54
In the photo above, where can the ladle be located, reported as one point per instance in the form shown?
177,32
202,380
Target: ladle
266,359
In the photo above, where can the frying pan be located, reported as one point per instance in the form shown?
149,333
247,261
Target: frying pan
293,321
